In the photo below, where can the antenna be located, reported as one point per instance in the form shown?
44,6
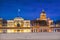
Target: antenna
18,12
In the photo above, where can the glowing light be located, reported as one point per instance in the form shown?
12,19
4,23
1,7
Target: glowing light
27,30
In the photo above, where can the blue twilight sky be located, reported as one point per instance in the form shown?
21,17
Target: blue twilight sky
29,9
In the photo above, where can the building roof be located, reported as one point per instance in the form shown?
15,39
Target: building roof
39,22
43,11
18,18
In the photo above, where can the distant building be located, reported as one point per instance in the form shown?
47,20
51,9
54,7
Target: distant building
18,25
56,27
42,24
1,22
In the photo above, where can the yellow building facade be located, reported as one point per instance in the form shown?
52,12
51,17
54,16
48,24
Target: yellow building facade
18,25
1,24
1,20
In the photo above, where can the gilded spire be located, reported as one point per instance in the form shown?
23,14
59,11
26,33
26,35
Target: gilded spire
43,11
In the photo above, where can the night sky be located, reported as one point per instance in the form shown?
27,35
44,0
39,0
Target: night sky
29,9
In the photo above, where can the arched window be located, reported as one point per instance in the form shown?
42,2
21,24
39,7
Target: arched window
18,25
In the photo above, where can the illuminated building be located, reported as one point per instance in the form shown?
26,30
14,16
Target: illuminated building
43,15
1,20
56,27
1,24
42,24
18,25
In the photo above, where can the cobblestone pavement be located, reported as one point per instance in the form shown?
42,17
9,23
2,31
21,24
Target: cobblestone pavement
30,36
